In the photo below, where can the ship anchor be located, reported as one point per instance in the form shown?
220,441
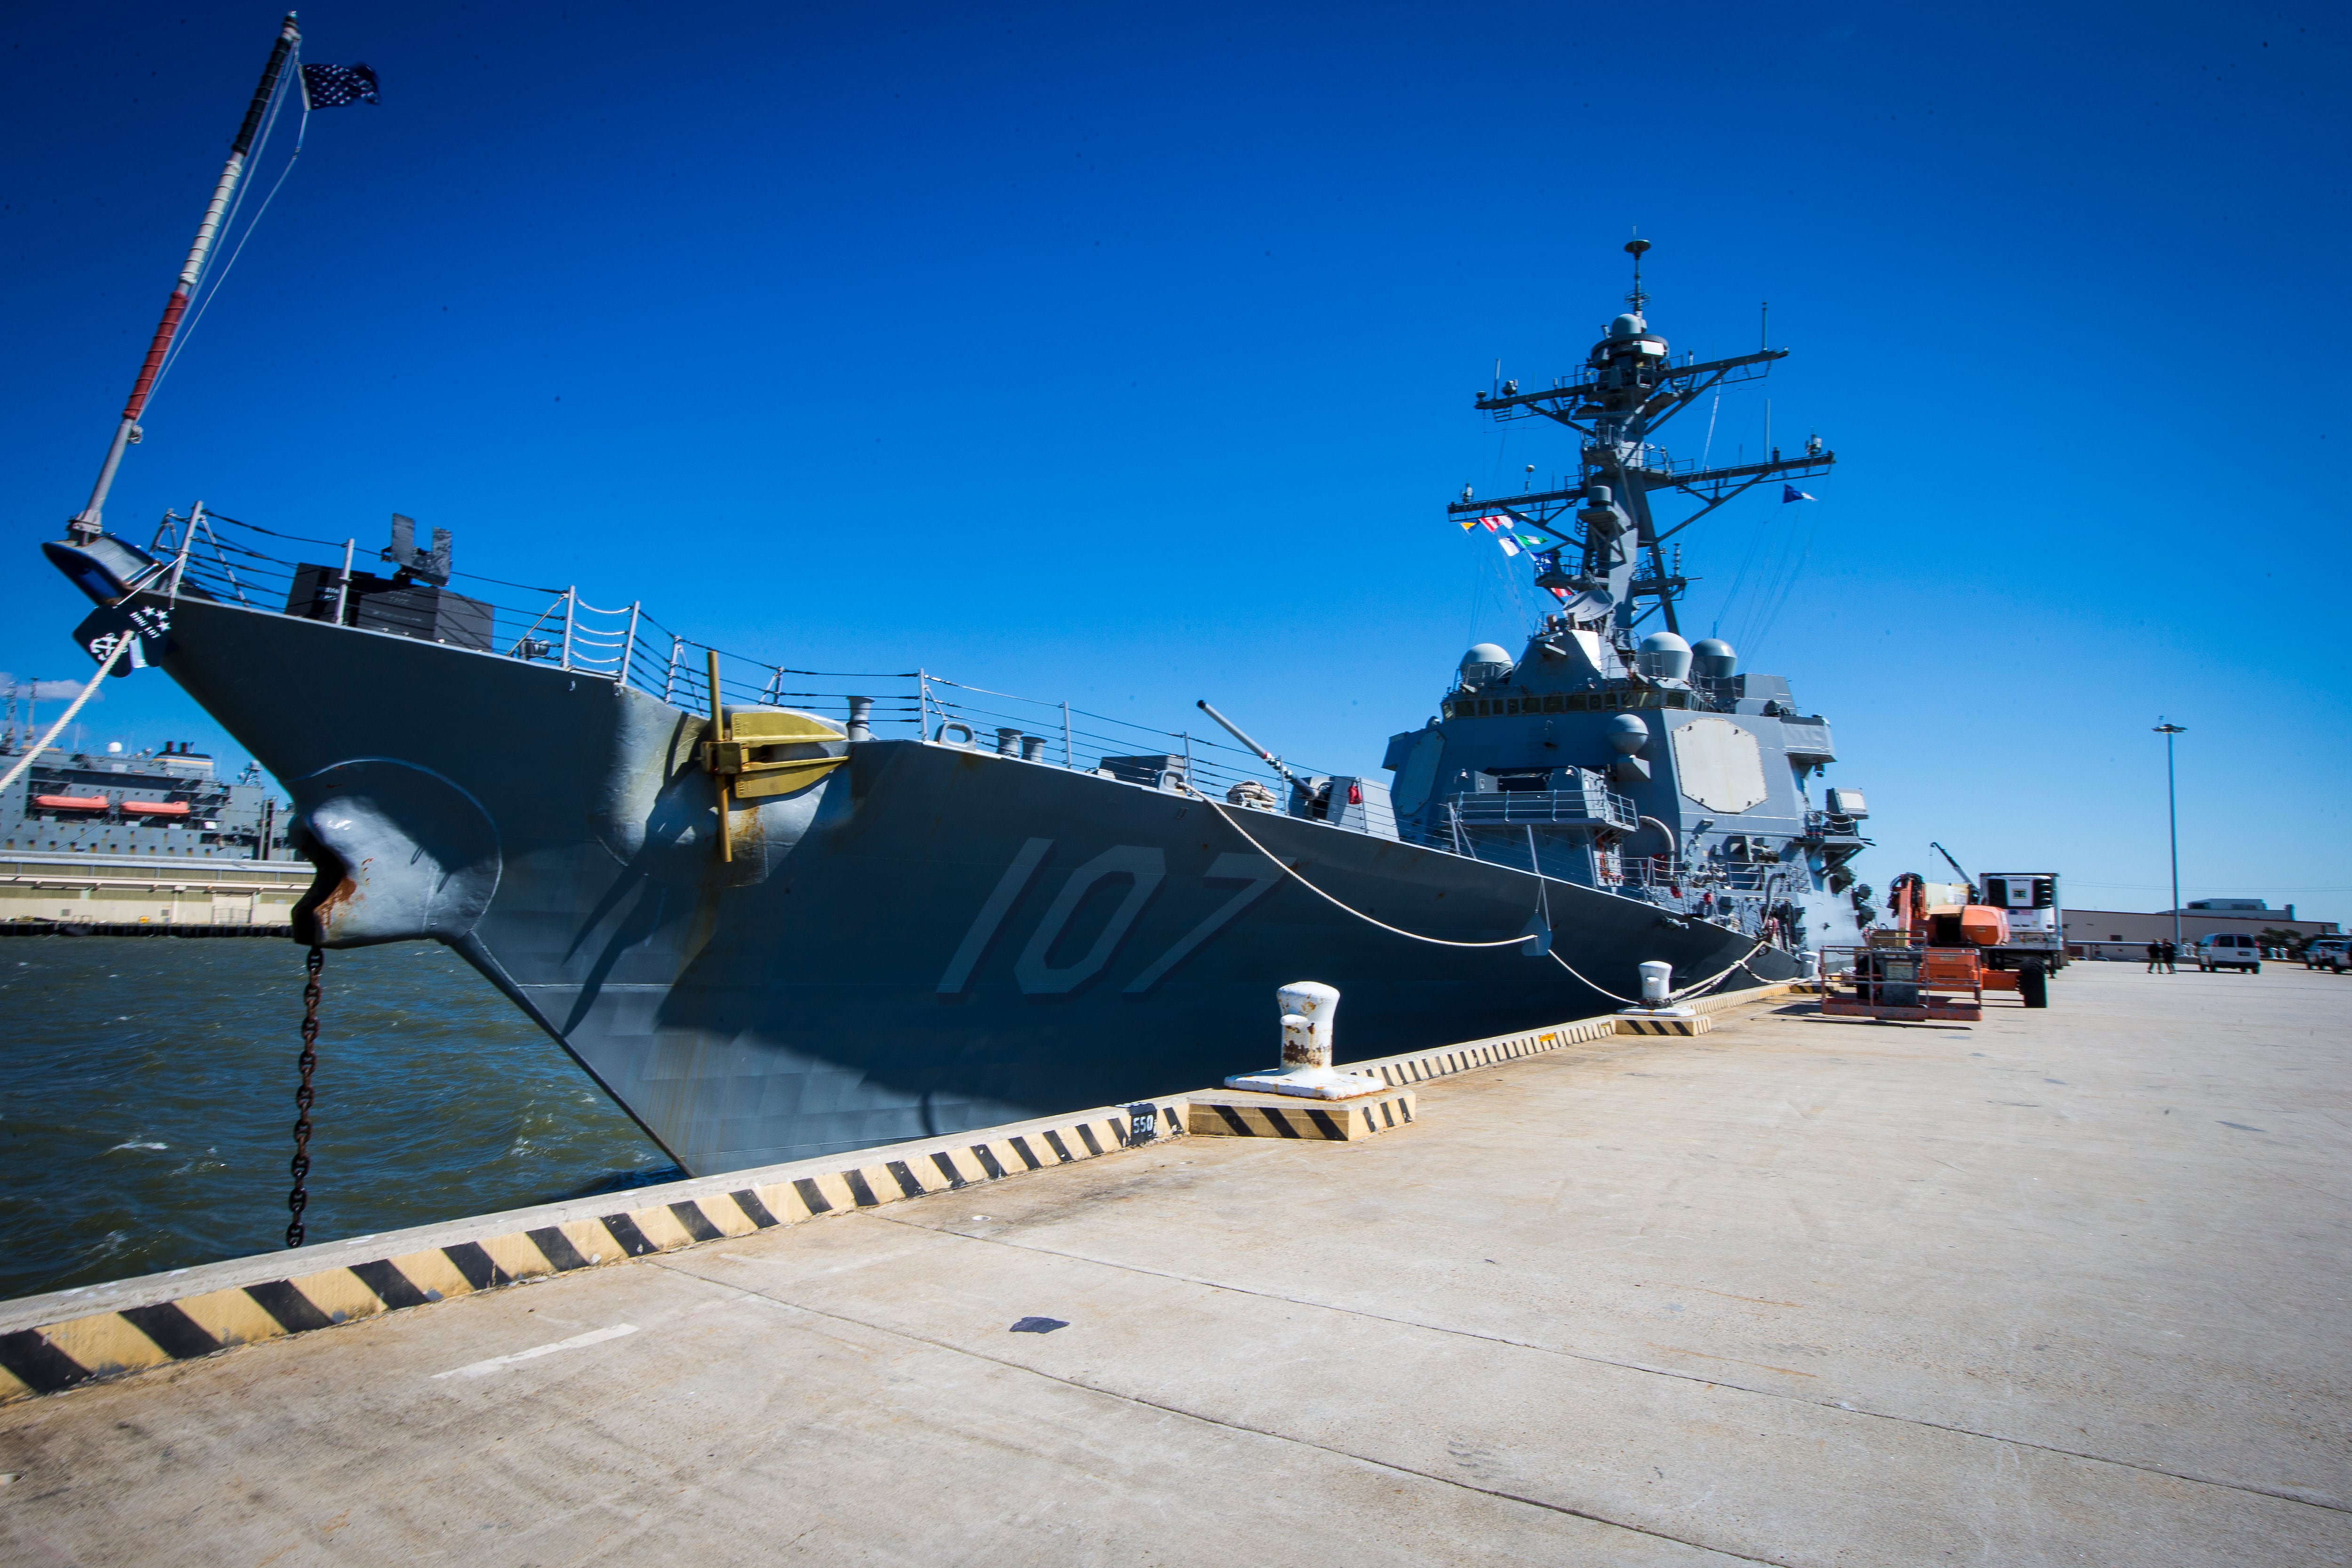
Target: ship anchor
740,755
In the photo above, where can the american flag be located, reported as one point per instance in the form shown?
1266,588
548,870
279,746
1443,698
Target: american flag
331,87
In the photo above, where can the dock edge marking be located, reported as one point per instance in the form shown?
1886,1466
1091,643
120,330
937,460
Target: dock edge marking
73,1351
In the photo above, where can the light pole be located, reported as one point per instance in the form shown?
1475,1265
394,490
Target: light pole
2168,729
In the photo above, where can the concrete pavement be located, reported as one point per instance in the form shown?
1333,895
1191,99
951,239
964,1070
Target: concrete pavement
2062,1286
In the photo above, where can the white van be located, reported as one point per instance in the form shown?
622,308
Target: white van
2229,950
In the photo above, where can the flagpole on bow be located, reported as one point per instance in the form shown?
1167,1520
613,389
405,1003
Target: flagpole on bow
89,523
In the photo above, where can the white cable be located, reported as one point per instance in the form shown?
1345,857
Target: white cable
1690,990
120,648
1717,978
1437,941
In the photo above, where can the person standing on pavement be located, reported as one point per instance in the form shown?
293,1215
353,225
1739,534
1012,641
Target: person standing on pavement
2171,957
2155,956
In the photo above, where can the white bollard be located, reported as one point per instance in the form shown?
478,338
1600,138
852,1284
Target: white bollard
1657,996
1308,1008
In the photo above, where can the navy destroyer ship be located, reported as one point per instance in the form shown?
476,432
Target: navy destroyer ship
778,914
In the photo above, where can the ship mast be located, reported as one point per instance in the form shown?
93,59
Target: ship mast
89,523
1608,556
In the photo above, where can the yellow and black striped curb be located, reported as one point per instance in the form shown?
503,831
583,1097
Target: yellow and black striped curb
1420,1067
49,1356
61,1341
1248,1115
1636,1024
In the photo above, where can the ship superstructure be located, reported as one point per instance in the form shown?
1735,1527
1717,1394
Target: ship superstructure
1630,761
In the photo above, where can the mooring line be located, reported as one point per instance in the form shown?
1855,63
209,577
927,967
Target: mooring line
1690,990
1289,870
1293,874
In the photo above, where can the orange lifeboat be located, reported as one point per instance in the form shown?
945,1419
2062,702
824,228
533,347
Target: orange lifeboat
157,807
72,802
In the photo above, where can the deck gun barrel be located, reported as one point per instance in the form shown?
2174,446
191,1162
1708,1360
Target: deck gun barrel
1236,732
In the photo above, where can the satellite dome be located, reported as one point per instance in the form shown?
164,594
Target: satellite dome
1628,325
1485,662
1665,657
1714,658
1627,734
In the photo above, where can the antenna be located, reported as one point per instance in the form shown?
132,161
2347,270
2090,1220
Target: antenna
1764,325
1633,247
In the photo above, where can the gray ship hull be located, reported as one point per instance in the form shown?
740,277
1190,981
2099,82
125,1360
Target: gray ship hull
930,939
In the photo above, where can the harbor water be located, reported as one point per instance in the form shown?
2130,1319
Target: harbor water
147,1111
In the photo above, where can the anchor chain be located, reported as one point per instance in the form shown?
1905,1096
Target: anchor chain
298,1199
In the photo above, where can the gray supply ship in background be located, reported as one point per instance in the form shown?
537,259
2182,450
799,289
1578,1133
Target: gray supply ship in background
168,804
852,911
771,934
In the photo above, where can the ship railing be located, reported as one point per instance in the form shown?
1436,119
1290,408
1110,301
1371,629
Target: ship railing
676,669
1560,858
573,634
1659,880
267,569
1616,696
1590,808
1587,861
263,568
1086,741
1685,877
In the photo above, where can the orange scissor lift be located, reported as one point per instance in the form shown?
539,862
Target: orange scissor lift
1930,965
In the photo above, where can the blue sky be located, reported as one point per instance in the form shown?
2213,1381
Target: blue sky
1125,353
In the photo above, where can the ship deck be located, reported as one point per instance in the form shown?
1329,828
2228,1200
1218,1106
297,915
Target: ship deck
2061,1286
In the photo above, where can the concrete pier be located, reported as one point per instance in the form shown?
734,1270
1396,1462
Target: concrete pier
132,896
2060,1286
